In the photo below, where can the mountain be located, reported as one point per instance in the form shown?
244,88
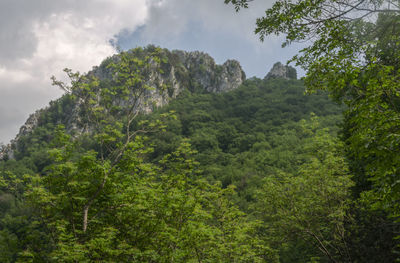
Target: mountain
164,156
178,71
209,100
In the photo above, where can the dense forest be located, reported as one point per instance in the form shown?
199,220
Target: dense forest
261,172
256,174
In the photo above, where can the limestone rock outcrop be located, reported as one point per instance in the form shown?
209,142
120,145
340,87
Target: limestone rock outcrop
281,71
196,71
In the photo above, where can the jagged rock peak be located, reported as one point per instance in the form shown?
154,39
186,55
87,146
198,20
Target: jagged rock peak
195,71
212,77
186,69
281,71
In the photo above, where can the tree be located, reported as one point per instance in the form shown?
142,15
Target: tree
145,213
308,208
108,112
354,53
312,20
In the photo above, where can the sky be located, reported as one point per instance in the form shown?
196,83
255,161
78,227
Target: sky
38,39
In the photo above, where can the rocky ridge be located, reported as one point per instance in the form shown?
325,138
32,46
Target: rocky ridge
195,71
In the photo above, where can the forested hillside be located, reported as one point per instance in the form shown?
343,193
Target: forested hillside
254,173
352,51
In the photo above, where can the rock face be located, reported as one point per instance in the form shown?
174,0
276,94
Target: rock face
196,71
281,71
193,71
212,77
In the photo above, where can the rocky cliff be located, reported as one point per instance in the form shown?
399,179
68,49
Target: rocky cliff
181,70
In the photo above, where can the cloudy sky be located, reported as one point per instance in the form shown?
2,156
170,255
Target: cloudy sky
39,38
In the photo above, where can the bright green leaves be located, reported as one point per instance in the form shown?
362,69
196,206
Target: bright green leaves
132,72
144,212
373,130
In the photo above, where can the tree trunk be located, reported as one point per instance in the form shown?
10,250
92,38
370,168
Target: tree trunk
85,218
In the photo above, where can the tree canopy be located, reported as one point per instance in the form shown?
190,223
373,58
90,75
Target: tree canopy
353,53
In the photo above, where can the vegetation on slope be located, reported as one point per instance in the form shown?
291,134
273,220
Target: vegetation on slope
256,174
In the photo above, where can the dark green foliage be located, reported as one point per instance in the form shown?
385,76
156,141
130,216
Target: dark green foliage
307,207
233,131
292,73
354,55
370,235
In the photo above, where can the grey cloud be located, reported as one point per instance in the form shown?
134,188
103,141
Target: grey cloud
9,123
17,41
17,102
17,18
172,17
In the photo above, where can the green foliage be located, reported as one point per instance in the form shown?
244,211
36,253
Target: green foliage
144,213
354,55
244,134
309,207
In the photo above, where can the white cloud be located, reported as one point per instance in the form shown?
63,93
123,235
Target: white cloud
40,38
